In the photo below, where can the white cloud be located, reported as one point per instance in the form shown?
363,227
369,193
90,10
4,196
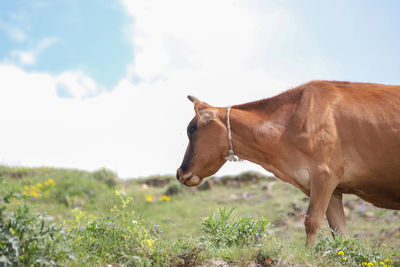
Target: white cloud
24,57
29,57
199,35
78,85
204,48
13,32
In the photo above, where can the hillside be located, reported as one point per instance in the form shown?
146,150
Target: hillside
102,219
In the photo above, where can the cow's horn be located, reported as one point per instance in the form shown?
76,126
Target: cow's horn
193,99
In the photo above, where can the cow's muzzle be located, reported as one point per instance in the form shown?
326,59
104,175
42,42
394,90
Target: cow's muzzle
189,179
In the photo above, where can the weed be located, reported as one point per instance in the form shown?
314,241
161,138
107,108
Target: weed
39,190
106,176
188,252
28,239
119,238
222,230
173,189
350,251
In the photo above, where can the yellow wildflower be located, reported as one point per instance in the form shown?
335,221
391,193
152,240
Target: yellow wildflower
364,263
382,263
370,264
149,243
38,186
50,182
344,259
164,198
34,194
340,252
118,193
389,260
149,199
114,208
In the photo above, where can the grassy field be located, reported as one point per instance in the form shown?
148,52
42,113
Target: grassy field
73,218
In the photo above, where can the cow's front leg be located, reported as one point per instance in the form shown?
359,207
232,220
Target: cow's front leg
321,188
335,215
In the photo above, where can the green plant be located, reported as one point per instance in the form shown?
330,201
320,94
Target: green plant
173,189
119,238
188,252
104,175
39,189
26,238
350,251
222,230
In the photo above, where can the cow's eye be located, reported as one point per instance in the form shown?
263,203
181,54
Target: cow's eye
192,130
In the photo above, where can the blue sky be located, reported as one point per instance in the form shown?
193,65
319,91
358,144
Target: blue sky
87,35
362,38
104,83
359,39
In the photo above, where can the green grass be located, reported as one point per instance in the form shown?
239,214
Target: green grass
176,225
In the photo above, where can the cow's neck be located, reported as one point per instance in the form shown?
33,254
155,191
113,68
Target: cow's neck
257,135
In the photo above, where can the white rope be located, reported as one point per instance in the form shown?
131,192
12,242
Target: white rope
231,154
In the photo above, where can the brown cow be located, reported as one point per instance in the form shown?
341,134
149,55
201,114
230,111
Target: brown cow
326,138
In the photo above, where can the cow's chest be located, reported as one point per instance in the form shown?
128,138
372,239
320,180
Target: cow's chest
302,177
298,176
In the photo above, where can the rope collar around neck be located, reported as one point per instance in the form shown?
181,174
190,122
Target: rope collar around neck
231,154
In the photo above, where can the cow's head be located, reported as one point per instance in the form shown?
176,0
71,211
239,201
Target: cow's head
208,144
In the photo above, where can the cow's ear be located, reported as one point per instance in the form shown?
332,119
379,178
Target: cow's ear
205,114
204,111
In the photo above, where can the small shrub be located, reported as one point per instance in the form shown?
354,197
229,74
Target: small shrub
350,251
27,239
173,189
188,252
104,175
222,230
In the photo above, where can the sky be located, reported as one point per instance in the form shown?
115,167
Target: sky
91,84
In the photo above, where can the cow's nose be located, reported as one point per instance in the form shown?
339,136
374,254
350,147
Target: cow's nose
177,174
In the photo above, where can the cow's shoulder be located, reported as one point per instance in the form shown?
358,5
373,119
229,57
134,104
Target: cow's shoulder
312,123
